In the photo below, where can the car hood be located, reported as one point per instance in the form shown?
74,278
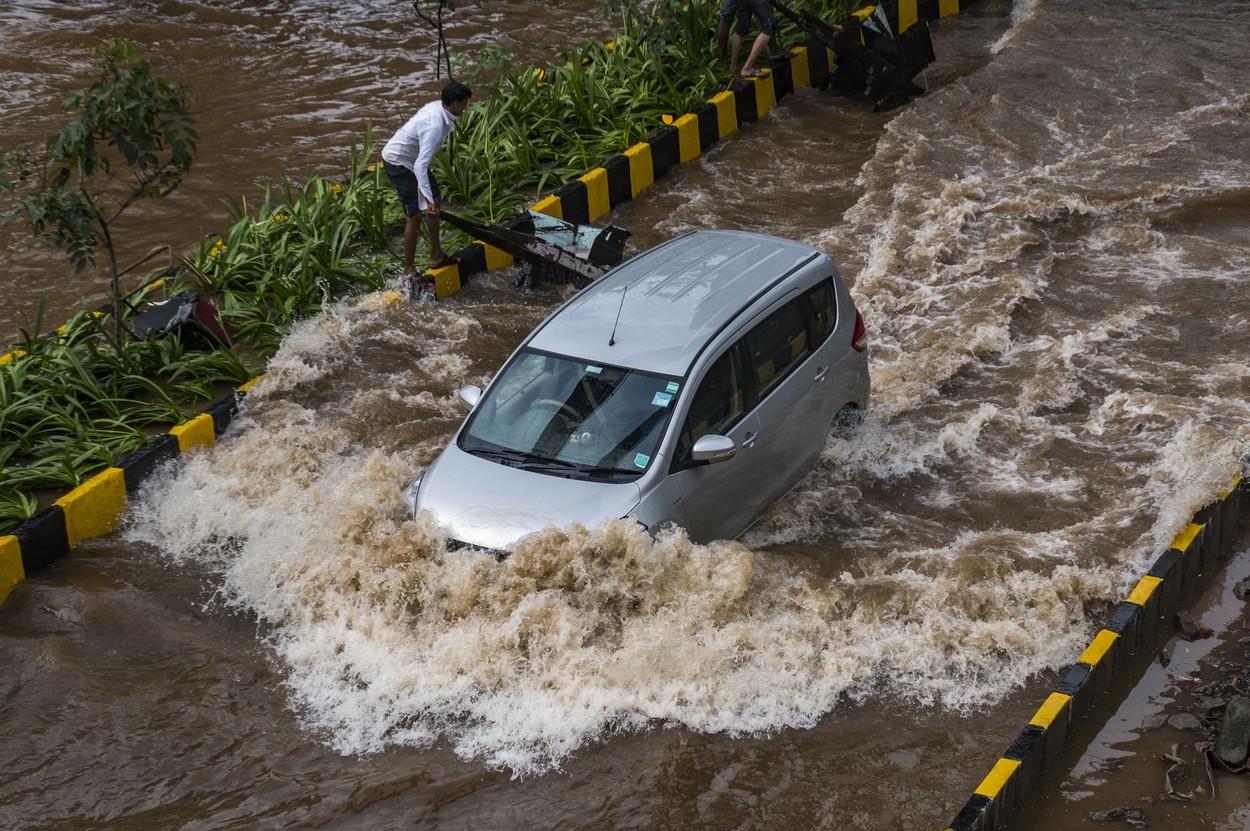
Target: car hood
491,505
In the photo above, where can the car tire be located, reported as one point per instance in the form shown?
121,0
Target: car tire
846,421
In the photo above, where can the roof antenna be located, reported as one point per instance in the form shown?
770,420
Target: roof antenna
612,337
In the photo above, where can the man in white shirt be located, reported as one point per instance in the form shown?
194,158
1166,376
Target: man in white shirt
407,158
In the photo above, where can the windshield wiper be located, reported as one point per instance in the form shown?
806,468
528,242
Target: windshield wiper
525,461
609,471
544,465
513,458
561,467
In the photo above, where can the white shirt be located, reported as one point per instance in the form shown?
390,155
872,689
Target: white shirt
415,144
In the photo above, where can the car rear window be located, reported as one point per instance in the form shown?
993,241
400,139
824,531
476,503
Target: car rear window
820,300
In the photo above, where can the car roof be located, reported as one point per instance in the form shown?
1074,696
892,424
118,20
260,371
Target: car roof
675,298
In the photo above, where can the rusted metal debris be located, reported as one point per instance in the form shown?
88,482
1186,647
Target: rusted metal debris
873,60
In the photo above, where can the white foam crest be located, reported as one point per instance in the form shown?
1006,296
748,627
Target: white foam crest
1194,458
1055,365
884,449
1008,623
390,639
1021,12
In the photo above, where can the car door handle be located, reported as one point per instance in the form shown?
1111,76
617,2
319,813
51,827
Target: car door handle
749,439
821,373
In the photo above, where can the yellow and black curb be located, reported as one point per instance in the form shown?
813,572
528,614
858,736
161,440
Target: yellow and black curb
682,140
95,507
1136,627
679,141
907,13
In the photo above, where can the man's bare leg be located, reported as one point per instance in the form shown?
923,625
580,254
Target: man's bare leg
756,48
733,55
411,229
431,230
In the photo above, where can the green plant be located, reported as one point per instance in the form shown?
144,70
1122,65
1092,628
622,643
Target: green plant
70,195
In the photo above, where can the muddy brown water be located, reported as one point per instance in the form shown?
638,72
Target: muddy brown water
284,88
1050,250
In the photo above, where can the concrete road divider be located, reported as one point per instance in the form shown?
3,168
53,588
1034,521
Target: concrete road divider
95,507
1134,630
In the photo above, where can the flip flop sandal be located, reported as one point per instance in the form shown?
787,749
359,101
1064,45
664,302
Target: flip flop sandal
444,262
755,73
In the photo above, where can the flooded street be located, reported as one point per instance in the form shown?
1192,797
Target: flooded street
284,89
1050,251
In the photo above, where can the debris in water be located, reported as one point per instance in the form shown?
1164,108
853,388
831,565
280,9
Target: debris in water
1179,769
1234,736
1185,721
1135,817
1242,589
1192,630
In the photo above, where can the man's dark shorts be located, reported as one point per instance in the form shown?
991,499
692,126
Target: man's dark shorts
744,10
405,182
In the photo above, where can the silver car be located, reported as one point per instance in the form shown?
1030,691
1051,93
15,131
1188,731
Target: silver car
694,384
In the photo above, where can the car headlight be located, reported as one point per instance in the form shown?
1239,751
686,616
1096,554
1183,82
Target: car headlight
411,494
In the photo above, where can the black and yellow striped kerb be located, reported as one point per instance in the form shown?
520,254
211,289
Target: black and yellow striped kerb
909,12
1136,627
679,141
95,507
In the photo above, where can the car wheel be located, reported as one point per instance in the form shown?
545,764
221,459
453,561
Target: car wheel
847,421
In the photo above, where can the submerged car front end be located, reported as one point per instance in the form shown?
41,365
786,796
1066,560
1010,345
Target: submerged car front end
487,504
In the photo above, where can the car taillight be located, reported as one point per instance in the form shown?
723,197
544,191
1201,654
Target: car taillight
859,341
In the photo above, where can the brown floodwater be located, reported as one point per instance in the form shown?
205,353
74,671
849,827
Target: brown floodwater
1049,250
283,89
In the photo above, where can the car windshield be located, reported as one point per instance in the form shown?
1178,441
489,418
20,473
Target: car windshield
567,417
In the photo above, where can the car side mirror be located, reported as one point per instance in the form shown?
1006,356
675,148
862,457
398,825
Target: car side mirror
469,396
713,449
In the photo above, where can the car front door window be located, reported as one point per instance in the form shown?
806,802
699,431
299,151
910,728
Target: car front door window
717,404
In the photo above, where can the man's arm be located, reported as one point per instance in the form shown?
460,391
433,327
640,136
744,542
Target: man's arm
431,139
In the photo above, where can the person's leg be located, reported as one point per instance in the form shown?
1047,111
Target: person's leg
727,11
436,245
762,10
761,40
411,228
405,185
741,26
768,25
432,222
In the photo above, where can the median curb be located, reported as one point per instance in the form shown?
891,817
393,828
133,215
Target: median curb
95,508
679,141
1137,625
